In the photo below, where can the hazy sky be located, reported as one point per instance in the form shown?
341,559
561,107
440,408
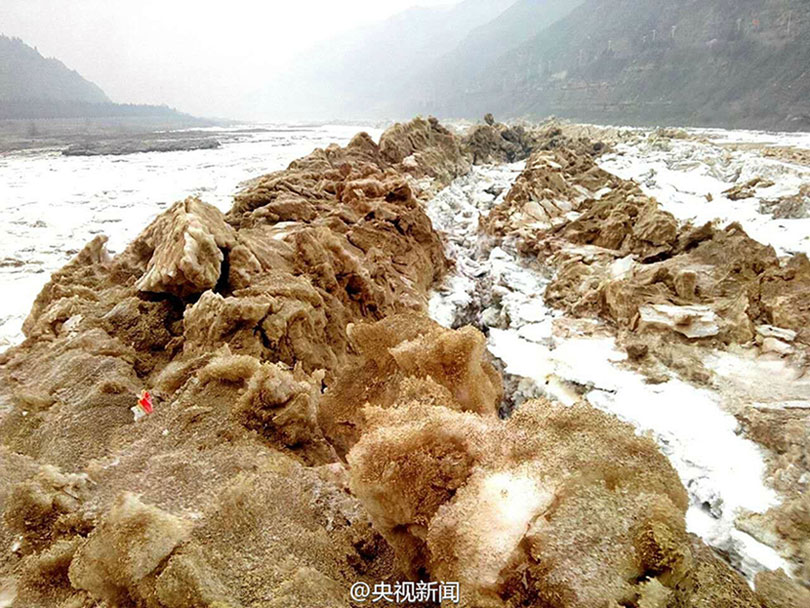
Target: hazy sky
199,56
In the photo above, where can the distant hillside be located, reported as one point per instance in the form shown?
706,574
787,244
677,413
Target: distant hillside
727,63
468,64
736,63
25,109
34,87
368,71
25,74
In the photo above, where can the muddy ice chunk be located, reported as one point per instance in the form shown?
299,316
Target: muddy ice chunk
281,404
35,506
691,321
498,143
308,587
280,318
655,227
260,529
541,196
785,433
72,290
788,207
574,473
784,294
131,542
423,147
458,361
186,246
407,465
150,328
625,221
188,581
83,387
277,402
408,355
747,189
214,320
221,366
685,283
560,506
44,578
709,581
792,521
710,283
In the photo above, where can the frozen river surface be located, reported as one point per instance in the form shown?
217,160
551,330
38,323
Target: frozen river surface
52,204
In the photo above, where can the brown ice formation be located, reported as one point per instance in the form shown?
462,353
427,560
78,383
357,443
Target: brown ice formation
796,206
559,506
408,355
312,428
667,289
747,189
495,142
543,194
620,256
786,434
126,547
777,590
185,247
234,323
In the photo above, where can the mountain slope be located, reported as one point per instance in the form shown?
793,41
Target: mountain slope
27,75
468,62
363,73
737,63
34,87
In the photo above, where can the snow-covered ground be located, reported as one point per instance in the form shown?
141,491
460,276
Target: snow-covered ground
52,204
723,471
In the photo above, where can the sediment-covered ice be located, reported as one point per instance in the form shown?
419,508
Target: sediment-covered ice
53,204
690,179
498,289
312,427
